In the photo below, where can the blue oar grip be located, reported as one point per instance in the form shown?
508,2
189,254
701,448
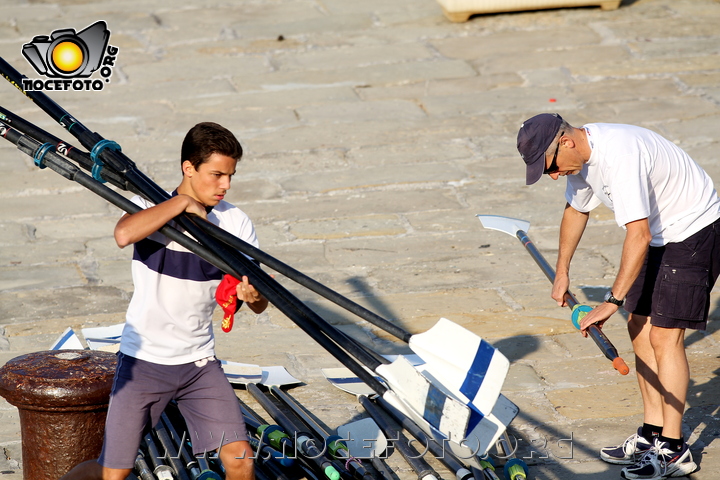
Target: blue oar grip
39,156
95,157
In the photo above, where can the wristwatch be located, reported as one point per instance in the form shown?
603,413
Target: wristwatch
610,299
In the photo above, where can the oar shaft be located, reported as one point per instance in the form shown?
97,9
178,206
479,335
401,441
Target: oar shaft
61,166
452,463
423,470
339,451
172,454
310,283
543,264
82,158
142,468
305,443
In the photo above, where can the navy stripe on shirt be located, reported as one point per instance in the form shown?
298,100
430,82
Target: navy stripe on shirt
183,265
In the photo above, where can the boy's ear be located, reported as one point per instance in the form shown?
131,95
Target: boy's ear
188,169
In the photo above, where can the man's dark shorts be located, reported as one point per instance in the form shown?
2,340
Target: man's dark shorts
141,390
674,285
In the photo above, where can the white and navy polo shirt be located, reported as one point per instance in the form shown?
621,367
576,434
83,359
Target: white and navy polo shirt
169,320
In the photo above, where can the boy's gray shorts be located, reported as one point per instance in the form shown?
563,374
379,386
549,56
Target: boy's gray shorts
141,391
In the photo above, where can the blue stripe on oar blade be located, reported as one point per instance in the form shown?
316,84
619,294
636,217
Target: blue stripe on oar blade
434,406
478,370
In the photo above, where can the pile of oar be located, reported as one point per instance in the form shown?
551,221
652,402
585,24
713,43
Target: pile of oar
452,396
296,446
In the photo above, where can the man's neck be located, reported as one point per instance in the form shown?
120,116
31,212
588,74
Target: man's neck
582,144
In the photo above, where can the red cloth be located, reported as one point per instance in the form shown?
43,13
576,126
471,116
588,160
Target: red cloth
226,297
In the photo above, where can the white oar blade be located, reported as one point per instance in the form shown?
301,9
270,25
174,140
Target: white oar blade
364,438
462,362
277,376
106,339
428,399
347,381
241,373
67,340
504,224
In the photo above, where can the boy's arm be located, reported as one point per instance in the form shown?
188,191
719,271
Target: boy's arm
135,227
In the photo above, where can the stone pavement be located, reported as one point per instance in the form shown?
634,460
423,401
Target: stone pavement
374,132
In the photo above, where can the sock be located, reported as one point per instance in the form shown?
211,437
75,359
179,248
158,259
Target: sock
650,432
675,444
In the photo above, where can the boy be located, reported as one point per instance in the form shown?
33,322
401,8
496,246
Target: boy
167,347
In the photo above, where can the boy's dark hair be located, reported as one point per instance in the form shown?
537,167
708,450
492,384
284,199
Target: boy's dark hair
207,138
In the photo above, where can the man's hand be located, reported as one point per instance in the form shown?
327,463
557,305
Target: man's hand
560,288
597,316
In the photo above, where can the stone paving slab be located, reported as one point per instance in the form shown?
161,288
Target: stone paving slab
374,132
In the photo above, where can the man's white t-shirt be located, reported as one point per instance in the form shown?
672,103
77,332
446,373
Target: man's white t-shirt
639,174
169,320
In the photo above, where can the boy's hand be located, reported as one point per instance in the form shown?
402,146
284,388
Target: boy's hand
254,299
194,207
247,292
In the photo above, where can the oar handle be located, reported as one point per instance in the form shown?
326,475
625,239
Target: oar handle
603,343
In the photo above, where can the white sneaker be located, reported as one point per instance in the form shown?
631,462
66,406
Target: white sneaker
660,462
629,452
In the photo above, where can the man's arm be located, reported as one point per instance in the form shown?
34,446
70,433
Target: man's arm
635,248
135,227
571,231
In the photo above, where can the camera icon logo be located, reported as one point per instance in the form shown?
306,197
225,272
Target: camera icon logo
67,54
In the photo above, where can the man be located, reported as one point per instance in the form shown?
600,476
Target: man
670,260
167,347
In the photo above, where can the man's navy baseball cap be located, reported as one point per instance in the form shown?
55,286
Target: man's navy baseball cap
533,140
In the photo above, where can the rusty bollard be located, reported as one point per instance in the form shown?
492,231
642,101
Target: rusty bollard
62,397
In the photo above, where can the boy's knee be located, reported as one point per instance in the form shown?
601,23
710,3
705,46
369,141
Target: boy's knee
237,458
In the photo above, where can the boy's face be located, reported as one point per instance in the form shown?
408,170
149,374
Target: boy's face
210,181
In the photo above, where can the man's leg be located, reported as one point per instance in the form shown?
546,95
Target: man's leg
237,458
92,470
673,374
646,368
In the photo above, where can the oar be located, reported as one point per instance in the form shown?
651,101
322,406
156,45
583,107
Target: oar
161,470
142,468
422,469
518,228
191,463
451,416
335,444
171,452
305,443
450,461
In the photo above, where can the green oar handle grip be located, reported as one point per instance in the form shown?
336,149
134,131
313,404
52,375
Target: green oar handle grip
332,473
578,312
488,469
335,445
275,436
516,469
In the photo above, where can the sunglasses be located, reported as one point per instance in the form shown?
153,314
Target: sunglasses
553,168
